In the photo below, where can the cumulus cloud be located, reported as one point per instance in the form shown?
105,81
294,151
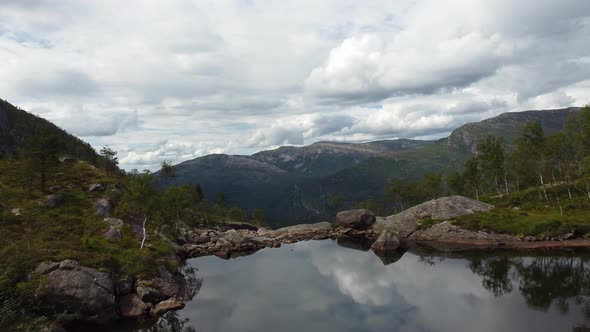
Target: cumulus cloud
242,76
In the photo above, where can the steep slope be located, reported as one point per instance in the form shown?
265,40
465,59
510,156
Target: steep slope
508,126
19,128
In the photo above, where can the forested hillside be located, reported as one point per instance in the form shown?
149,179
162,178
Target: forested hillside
306,184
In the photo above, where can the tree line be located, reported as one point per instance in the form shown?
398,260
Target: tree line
534,160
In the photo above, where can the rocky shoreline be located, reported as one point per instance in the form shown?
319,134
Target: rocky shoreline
96,297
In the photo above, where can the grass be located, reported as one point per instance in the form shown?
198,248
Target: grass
68,231
525,213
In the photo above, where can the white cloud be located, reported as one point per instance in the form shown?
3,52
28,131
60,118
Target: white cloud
239,76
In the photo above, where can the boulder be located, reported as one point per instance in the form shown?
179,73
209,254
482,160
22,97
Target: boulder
95,187
131,306
46,267
163,287
53,200
114,230
403,224
165,306
16,212
77,290
103,207
112,233
356,219
387,242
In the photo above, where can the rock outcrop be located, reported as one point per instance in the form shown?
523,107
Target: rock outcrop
387,242
397,228
102,207
357,219
114,229
82,292
447,232
161,288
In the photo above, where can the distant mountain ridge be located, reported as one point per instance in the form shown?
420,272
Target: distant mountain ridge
302,184
507,126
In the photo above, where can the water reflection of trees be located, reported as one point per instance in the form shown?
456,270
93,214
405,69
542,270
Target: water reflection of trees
559,280
542,281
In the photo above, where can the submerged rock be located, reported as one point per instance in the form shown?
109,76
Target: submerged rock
356,219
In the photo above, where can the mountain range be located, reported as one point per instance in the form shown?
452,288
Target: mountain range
311,183
301,184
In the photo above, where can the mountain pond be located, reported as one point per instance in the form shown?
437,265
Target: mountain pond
323,286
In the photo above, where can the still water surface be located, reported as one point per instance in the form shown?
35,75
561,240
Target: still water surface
321,286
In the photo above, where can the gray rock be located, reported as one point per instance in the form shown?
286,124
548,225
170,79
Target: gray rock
113,233
131,306
403,224
103,207
69,264
46,267
302,229
77,290
387,242
165,306
356,219
114,222
447,232
16,212
114,230
163,287
53,200
95,187
233,237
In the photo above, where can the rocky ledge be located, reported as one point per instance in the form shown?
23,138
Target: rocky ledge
86,294
227,243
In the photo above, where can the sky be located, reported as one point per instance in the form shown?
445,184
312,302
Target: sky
174,80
